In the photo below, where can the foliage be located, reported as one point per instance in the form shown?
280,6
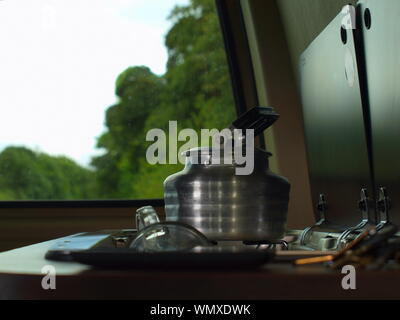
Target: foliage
25,174
139,92
195,91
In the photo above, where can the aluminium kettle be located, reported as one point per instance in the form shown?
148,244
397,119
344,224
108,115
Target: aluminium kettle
210,196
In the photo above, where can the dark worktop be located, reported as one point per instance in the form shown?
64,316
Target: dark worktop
20,278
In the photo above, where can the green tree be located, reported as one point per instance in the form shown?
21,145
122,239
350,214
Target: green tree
197,73
195,91
139,94
29,175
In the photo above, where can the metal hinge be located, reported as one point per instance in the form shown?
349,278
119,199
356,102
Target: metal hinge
383,205
322,206
364,205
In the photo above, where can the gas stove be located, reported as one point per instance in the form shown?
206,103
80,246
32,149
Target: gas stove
120,240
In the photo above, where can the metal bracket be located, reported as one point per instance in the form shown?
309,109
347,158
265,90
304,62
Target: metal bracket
364,205
383,205
322,206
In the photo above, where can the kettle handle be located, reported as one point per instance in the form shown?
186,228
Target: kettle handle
258,119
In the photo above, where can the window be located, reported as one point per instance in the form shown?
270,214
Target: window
82,82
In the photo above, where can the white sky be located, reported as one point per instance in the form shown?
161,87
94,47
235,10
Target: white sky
58,63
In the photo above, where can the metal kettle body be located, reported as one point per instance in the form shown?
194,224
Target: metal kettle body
226,206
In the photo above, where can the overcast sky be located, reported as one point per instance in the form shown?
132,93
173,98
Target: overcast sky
58,63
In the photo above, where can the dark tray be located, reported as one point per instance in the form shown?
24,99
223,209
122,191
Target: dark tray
99,249
199,258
